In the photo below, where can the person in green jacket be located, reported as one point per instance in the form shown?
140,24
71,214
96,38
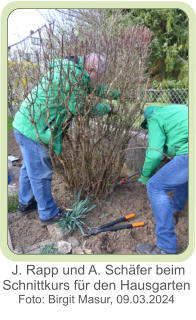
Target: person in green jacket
168,135
41,121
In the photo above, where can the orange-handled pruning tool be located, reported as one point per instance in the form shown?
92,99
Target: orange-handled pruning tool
109,226
129,179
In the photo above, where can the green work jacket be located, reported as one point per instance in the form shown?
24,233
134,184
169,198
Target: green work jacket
45,105
167,133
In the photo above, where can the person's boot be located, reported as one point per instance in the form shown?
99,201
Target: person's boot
22,209
144,248
59,216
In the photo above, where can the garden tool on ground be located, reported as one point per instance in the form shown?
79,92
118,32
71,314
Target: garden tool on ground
132,178
109,226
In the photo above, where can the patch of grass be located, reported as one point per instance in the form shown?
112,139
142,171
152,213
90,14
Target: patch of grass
9,124
79,212
50,248
12,202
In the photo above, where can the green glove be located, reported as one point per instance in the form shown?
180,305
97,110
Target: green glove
144,180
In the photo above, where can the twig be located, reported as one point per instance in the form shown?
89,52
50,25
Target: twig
148,148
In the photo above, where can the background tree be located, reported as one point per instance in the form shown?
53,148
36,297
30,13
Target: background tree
168,61
22,76
169,48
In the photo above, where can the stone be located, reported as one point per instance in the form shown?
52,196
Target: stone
35,248
56,232
74,242
10,241
87,251
64,247
77,250
18,250
123,251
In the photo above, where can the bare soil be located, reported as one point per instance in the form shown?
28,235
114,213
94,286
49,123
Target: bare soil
126,199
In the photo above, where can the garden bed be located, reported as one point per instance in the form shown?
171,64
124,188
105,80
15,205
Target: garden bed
26,231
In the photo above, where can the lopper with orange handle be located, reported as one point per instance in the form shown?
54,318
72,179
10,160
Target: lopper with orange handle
132,178
109,226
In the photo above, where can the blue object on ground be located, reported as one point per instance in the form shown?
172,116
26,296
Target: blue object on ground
9,178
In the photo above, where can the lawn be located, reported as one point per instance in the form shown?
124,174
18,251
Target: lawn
9,125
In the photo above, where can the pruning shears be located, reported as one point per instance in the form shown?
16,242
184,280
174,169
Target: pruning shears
129,179
109,226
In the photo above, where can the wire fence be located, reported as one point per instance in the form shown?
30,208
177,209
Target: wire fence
158,96
167,96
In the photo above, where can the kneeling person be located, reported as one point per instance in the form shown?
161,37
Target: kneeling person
167,133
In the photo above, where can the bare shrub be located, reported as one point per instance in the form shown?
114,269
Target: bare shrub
94,148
